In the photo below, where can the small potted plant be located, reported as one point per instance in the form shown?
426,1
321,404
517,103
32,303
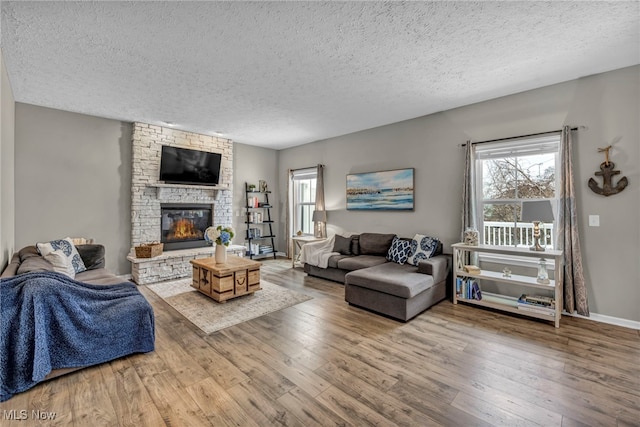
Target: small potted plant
252,187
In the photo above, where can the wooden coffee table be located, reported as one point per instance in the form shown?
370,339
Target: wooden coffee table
235,278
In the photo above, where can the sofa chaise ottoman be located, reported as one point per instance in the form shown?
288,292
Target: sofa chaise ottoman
398,291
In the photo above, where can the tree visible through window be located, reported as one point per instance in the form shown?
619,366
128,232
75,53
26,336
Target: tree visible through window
510,173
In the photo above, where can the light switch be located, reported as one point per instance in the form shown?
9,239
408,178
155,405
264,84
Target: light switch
594,220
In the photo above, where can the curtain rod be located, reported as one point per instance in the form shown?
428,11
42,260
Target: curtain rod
522,136
310,167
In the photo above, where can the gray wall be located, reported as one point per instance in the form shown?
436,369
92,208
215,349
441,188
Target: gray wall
252,164
73,178
7,145
606,103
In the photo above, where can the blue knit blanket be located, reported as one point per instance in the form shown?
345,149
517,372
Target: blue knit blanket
49,321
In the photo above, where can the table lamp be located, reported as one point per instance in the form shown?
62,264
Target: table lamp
537,212
320,218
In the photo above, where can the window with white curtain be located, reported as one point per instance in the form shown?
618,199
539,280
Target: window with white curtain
304,200
509,173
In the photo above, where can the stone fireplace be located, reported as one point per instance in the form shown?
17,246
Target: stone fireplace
149,222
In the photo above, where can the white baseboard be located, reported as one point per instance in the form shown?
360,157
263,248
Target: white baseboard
625,323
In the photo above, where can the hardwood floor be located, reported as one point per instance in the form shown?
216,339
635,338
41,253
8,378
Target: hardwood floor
324,363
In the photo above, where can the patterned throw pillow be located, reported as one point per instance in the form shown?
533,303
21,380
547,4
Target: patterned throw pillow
63,255
399,251
422,247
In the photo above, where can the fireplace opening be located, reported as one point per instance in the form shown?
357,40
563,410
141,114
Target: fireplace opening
183,225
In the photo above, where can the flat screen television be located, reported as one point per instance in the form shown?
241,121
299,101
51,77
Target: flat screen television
185,166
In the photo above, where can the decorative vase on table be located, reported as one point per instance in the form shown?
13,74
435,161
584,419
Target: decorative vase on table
221,254
221,237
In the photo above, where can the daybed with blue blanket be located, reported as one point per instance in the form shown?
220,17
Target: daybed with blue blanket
52,324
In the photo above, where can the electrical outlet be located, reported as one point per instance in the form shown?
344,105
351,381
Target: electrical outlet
594,220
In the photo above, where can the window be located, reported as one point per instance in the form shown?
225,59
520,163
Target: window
508,174
304,200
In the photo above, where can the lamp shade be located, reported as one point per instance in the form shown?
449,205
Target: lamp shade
319,216
536,210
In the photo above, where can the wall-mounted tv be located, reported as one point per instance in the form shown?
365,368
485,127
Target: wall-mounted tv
185,166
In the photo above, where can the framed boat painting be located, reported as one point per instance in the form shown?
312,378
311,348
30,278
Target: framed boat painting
384,191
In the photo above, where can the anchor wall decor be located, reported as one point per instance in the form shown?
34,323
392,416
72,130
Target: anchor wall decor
607,172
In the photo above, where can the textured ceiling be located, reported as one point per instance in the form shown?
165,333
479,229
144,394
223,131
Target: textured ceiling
279,74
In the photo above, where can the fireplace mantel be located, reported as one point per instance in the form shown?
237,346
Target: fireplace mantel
165,189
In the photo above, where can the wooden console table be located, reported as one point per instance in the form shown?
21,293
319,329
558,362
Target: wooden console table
528,284
235,278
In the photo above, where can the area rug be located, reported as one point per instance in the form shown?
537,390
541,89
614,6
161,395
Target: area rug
211,316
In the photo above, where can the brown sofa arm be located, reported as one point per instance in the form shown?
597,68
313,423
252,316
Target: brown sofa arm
437,266
12,268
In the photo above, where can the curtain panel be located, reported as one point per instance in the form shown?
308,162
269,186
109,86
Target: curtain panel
289,208
320,207
468,192
469,198
575,291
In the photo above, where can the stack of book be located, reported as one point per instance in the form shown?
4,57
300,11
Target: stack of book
254,249
473,269
537,304
254,233
255,217
266,249
468,289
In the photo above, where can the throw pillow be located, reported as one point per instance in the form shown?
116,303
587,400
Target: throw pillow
92,255
355,244
400,250
422,247
63,255
375,243
60,263
342,245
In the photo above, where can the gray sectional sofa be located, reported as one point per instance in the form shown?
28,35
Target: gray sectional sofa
375,282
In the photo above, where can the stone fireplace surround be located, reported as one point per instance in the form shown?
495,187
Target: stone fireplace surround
147,193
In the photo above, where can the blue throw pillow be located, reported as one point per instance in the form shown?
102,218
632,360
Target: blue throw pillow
399,251
422,248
